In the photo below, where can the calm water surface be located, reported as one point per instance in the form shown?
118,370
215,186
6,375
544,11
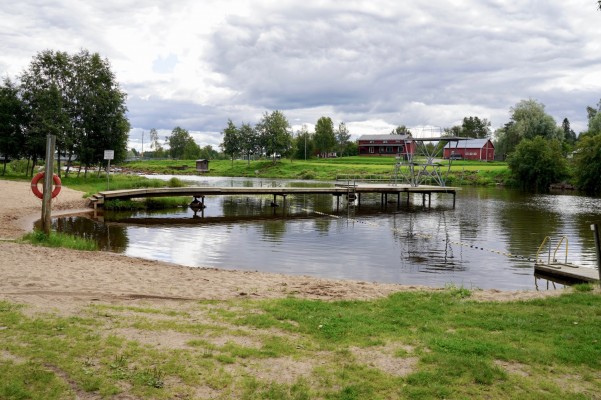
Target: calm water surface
410,244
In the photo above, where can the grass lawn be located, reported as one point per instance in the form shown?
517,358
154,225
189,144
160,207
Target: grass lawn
462,172
431,344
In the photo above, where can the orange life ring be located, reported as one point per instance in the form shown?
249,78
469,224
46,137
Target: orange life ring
34,185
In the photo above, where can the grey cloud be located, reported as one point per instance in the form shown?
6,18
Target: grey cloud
311,58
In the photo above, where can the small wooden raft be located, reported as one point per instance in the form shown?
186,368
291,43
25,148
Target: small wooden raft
567,271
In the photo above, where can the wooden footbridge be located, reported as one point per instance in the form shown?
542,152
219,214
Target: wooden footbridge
352,191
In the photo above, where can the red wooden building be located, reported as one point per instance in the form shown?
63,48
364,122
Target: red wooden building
471,149
385,145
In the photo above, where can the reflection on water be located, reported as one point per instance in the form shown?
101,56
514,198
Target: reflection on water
410,244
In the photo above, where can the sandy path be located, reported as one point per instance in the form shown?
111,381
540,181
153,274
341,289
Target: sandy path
65,280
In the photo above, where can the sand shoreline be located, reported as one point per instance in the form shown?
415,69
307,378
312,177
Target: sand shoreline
66,280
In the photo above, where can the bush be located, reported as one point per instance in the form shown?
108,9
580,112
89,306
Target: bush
537,163
588,164
18,166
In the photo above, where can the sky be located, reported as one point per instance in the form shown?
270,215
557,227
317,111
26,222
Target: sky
372,64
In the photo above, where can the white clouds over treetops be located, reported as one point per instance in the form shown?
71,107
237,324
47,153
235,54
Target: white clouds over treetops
372,64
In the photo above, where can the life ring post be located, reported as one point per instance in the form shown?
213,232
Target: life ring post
47,197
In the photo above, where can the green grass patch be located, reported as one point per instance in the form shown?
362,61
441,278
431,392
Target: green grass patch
462,172
149,203
56,239
451,347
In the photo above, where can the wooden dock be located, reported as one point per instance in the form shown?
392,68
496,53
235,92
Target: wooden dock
567,272
338,190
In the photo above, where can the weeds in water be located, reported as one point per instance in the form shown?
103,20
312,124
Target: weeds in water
151,203
56,239
583,287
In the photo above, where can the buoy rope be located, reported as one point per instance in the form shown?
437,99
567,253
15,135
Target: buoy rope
420,235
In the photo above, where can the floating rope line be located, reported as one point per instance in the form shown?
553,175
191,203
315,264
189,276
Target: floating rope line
422,235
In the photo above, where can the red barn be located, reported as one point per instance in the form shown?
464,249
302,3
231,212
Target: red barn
385,145
471,149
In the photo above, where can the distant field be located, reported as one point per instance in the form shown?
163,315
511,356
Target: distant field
323,169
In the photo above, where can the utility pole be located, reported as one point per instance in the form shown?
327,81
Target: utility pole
142,153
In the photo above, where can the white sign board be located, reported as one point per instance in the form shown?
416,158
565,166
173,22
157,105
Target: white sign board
109,154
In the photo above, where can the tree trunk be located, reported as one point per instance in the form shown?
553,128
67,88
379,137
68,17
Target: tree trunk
58,162
34,161
79,170
68,164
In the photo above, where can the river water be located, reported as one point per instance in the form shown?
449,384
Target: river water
489,240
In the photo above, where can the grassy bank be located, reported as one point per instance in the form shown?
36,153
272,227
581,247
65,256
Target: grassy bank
462,172
57,239
434,344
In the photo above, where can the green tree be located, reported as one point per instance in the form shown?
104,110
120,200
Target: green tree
324,137
587,162
568,134
528,120
594,120
400,130
155,144
231,140
12,120
274,135
77,99
537,163
303,144
454,131
192,150
342,139
104,124
45,92
249,141
181,144
209,153
475,127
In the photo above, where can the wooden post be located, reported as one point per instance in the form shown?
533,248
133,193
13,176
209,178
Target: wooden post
48,175
595,229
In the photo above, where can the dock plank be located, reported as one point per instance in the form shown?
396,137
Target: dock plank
337,190
569,271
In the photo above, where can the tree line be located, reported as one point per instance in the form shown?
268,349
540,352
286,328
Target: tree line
181,147
539,152
272,137
72,96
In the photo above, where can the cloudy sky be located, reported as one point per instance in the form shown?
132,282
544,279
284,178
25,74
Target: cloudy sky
372,64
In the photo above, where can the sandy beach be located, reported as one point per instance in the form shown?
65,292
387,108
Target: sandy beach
64,280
